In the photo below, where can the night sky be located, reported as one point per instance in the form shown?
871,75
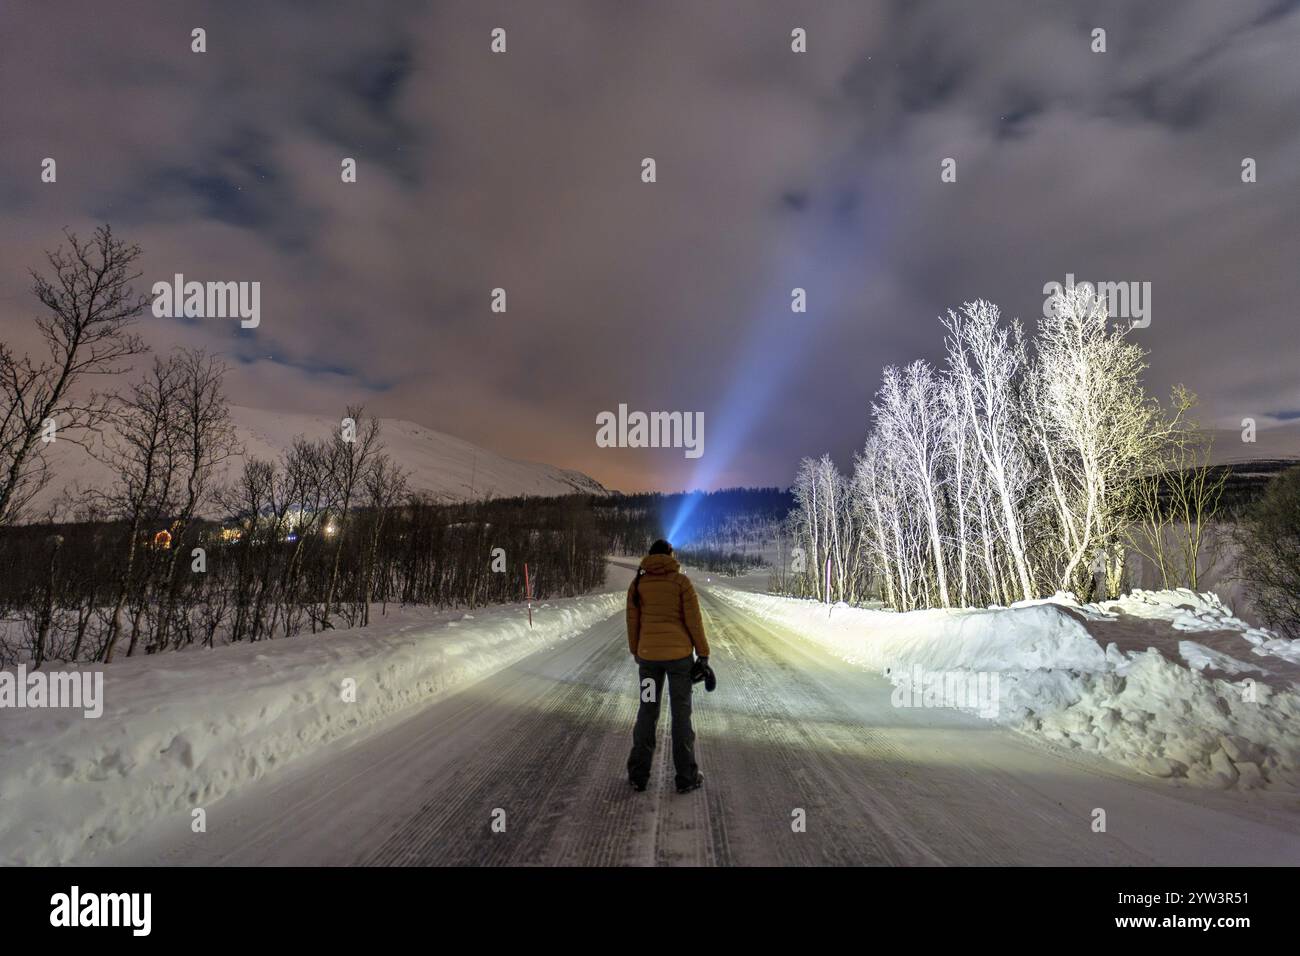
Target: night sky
775,170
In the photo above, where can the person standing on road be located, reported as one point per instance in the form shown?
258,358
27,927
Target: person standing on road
664,626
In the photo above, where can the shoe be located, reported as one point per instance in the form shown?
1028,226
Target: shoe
638,785
695,785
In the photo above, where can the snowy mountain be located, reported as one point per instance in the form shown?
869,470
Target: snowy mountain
440,465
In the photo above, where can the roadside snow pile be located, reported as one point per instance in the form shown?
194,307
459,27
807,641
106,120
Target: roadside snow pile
181,730
1165,714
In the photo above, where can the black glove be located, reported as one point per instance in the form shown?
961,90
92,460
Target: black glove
701,671
710,681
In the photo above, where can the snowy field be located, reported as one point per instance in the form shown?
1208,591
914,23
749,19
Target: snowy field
1169,683
183,729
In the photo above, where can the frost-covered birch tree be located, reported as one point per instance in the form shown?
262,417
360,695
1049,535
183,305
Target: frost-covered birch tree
910,421
985,362
1097,430
1016,470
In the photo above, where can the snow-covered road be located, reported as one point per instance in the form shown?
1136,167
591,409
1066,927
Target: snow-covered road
541,746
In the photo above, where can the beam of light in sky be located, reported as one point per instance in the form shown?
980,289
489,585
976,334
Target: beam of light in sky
773,347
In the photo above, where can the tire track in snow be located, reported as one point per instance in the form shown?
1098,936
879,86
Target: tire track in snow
778,748
544,776
901,775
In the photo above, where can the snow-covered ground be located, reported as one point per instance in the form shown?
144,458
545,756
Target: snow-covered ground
1169,683
181,730
541,745
480,711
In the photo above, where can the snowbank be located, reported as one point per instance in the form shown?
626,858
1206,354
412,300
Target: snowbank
181,730
1186,610
1113,679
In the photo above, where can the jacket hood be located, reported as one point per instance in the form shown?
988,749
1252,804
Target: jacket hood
659,564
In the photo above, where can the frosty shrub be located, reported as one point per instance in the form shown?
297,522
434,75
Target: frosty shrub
1269,538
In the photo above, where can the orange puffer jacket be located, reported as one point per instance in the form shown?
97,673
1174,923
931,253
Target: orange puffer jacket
667,624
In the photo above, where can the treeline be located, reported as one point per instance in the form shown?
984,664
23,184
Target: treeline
726,563
307,542
744,520
271,577
1019,468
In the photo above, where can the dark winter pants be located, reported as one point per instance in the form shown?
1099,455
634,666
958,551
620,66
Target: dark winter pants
678,673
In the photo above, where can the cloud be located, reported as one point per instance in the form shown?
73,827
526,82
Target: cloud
776,170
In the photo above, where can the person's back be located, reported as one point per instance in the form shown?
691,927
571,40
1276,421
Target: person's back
664,626
664,620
